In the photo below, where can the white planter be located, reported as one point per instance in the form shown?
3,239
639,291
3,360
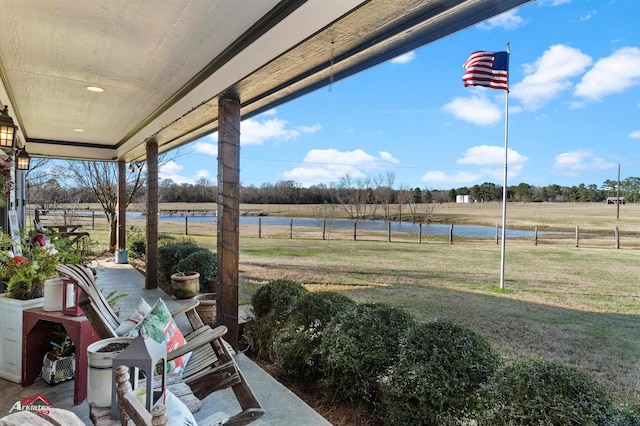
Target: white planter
99,375
11,335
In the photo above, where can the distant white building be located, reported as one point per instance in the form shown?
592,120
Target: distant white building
463,199
614,200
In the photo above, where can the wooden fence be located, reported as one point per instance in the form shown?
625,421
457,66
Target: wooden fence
91,220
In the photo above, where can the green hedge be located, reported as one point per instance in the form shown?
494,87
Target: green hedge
357,349
439,370
405,373
538,392
298,346
272,303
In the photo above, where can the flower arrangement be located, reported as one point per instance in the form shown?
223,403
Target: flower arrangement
24,274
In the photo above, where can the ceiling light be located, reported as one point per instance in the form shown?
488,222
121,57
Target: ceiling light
95,89
78,130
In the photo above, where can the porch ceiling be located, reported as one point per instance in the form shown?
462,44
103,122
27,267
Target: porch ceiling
163,64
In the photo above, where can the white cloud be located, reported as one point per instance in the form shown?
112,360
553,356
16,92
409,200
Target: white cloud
550,75
404,58
589,15
256,131
172,170
490,156
386,156
573,162
612,74
329,165
490,166
508,21
635,134
206,148
475,110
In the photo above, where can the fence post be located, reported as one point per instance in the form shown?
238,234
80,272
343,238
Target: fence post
259,227
497,233
451,234
186,225
355,226
577,236
93,219
389,231
324,228
617,233
535,236
420,233
291,229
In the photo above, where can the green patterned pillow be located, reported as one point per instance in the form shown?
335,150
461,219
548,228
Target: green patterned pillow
160,327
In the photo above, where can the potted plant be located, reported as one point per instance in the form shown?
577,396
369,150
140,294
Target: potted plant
59,364
185,285
206,263
100,356
24,277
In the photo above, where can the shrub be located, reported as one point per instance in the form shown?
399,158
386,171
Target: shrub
626,415
272,306
170,255
358,346
137,245
203,261
542,392
439,371
298,345
277,298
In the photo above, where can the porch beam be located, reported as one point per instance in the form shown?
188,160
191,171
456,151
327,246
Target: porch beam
122,209
151,277
228,233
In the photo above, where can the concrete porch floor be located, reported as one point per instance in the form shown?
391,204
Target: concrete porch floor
282,407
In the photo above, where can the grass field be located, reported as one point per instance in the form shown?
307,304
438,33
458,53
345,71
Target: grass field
578,305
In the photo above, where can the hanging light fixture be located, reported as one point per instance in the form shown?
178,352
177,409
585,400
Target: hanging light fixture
7,130
22,159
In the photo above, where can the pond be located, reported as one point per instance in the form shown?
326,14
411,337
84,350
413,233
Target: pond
368,225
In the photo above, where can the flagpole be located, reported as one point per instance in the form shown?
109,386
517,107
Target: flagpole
504,185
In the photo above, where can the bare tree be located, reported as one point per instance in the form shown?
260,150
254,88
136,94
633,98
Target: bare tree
383,192
102,178
406,196
43,187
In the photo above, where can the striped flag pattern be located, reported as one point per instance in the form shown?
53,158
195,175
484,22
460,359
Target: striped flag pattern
489,69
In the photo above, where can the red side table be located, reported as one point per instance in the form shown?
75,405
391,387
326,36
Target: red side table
36,330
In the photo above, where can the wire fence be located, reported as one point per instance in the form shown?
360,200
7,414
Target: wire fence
327,229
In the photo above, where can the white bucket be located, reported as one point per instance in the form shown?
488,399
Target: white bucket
99,375
52,295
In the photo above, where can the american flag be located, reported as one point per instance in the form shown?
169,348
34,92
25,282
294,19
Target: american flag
489,69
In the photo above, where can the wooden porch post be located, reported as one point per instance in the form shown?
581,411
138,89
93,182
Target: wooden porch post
151,278
122,211
228,238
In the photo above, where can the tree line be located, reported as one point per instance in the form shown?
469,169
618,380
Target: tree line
84,182
47,193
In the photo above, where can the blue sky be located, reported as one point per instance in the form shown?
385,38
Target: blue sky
574,111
